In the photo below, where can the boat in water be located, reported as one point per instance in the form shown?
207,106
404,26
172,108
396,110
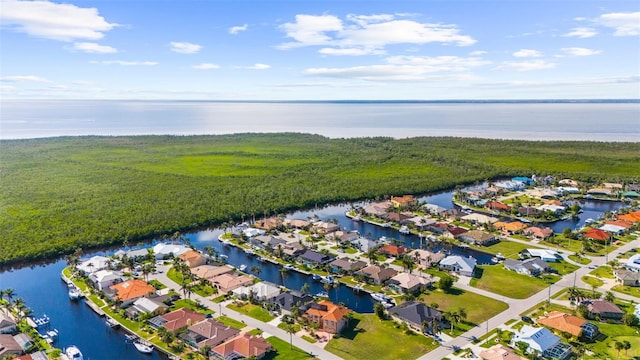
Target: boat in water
73,353
288,267
112,323
322,294
50,336
404,230
243,267
250,252
316,277
142,346
328,280
74,292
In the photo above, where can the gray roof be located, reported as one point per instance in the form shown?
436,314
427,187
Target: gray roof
415,312
313,256
288,300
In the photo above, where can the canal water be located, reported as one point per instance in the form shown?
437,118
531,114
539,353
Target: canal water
44,292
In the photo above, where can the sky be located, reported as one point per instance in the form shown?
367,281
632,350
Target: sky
319,50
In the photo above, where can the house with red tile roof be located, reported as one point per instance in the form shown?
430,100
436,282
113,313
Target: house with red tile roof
538,233
329,316
569,324
393,250
403,201
193,258
268,223
177,319
496,205
243,346
500,352
596,234
230,281
129,291
621,223
510,227
632,217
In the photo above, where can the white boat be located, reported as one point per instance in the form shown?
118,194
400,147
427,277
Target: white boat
404,230
143,346
379,297
322,294
357,288
387,225
225,242
288,267
316,277
588,221
243,267
73,353
387,305
356,218
500,256
112,323
328,279
249,252
74,293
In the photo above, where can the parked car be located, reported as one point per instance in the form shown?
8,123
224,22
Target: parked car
527,319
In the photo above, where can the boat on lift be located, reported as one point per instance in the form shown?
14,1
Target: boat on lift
73,353
74,292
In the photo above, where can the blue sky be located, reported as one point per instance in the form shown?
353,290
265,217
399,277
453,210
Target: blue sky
319,50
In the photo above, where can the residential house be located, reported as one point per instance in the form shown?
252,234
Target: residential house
528,211
346,266
168,250
262,291
510,227
569,324
462,265
229,281
613,229
569,182
633,263
268,224
102,279
209,271
251,232
291,250
500,352
531,266
604,310
427,258
312,258
435,209
243,346
38,355
266,242
601,192
377,209
400,218
630,194
24,341
478,237
455,213
453,232
288,300
93,264
193,258
497,206
377,274
364,244
408,283
621,223
129,291
631,217
151,305
176,320
329,316
615,186
417,316
554,209
8,346
476,218
437,228
323,227
543,254
296,223
420,222
403,201
393,250
542,340
538,233
597,235
342,237
208,332
7,324
627,277
525,180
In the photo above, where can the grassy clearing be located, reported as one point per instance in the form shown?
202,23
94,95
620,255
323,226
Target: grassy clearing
283,351
633,291
252,310
498,280
590,280
368,337
580,259
309,339
615,332
283,326
603,272
231,322
509,249
479,308
563,267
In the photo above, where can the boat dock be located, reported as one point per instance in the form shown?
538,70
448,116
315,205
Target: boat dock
95,308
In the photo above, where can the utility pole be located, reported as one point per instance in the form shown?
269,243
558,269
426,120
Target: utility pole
574,278
549,299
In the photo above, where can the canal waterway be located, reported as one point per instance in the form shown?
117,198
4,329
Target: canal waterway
43,290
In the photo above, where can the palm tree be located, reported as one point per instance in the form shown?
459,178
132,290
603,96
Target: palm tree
372,256
283,272
609,296
626,345
9,293
408,263
618,346
305,288
256,270
462,313
290,329
336,286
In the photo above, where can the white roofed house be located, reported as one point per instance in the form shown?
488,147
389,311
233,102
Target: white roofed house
633,263
462,265
479,218
165,250
263,291
435,209
364,244
408,283
102,279
93,264
543,254
531,267
542,340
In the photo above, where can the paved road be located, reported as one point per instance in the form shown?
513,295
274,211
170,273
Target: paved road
267,328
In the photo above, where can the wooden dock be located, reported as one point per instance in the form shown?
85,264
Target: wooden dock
94,307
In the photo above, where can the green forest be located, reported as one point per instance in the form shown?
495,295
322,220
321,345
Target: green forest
59,194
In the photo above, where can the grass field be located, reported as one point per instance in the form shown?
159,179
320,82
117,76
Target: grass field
231,322
592,281
252,310
58,191
509,249
602,272
580,259
371,338
563,267
479,308
283,351
633,291
498,280
615,332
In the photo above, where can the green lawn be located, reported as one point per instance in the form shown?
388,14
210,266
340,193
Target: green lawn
231,322
479,308
563,267
368,337
580,259
283,351
252,310
191,305
498,280
509,249
633,291
590,280
615,332
603,272
157,284
309,339
283,326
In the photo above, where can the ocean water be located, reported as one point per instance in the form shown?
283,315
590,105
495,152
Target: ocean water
595,121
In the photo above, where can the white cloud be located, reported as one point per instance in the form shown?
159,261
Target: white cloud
64,22
407,68
255,67
527,53
578,51
94,48
8,89
125,63
570,82
625,24
236,29
350,51
366,34
206,66
24,78
477,53
581,32
185,47
525,65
